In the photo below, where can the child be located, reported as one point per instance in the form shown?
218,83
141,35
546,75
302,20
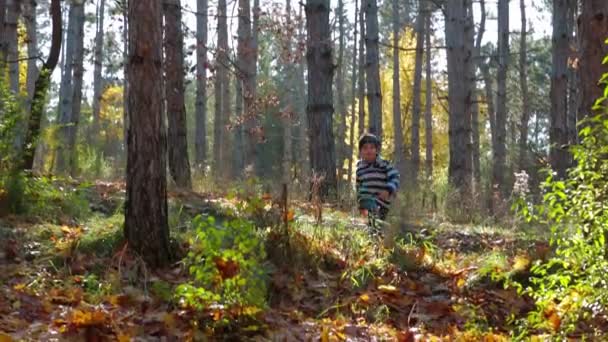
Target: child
377,179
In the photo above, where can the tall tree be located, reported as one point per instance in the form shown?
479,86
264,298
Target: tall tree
476,154
30,19
354,68
399,157
372,62
361,79
78,70
341,103
66,88
97,70
573,79
523,83
179,164
3,45
428,114
459,60
146,226
200,137
12,21
247,52
320,95
593,30
287,120
417,93
559,89
500,151
303,144
221,82
41,88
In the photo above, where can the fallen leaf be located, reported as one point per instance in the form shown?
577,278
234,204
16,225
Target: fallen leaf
364,298
387,288
5,338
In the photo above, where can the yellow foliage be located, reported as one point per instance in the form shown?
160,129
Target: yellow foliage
111,113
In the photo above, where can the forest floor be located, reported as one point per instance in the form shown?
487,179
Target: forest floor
66,274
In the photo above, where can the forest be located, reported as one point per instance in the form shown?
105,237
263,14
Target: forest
348,170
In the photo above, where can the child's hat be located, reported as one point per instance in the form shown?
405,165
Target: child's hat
368,138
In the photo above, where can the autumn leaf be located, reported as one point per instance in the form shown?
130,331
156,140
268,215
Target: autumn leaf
364,298
227,268
5,338
387,289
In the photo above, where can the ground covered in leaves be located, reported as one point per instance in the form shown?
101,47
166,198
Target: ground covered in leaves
67,275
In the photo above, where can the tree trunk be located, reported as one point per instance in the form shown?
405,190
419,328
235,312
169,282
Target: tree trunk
303,144
523,81
353,98
41,89
573,80
247,56
475,101
287,117
66,90
489,90
399,157
341,110
30,19
428,114
459,59
126,82
559,89
500,152
417,94
12,20
146,227
179,163
78,70
593,30
3,42
222,97
374,93
200,139
320,95
361,79
97,77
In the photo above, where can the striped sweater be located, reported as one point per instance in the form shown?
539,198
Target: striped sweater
374,177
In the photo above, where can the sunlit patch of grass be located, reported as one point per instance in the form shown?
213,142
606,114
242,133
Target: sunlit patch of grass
102,235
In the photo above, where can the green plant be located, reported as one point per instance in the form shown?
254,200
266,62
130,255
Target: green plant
227,265
570,286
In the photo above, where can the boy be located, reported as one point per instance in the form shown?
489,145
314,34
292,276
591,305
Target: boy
377,179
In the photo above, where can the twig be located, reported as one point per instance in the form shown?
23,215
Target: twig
409,317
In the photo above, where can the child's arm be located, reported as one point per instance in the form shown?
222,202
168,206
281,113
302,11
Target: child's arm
392,179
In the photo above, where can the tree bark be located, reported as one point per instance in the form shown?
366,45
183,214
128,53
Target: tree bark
361,79
341,103
417,94
320,95
500,151
459,59
353,116
475,100
593,29
179,163
200,139
287,117
221,92
428,112
78,70
3,42
558,134
146,227
97,76
66,91
399,157
523,82
41,89
12,20
374,93
30,19
573,80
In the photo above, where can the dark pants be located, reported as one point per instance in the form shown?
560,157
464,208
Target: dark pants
382,213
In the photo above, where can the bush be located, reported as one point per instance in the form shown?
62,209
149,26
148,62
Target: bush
571,286
227,264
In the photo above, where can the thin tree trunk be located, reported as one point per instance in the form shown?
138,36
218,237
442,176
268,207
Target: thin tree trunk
97,76
221,112
247,55
78,70
146,227
428,114
459,59
500,152
320,95
558,134
353,97
30,19
374,93
593,29
523,81
417,94
287,120
341,103
399,157
226,150
303,144
573,80
179,163
3,42
12,20
361,80
475,101
200,139
66,90
41,89
126,82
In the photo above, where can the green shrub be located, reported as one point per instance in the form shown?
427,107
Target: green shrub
226,263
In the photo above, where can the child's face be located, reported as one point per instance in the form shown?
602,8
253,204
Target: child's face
369,152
